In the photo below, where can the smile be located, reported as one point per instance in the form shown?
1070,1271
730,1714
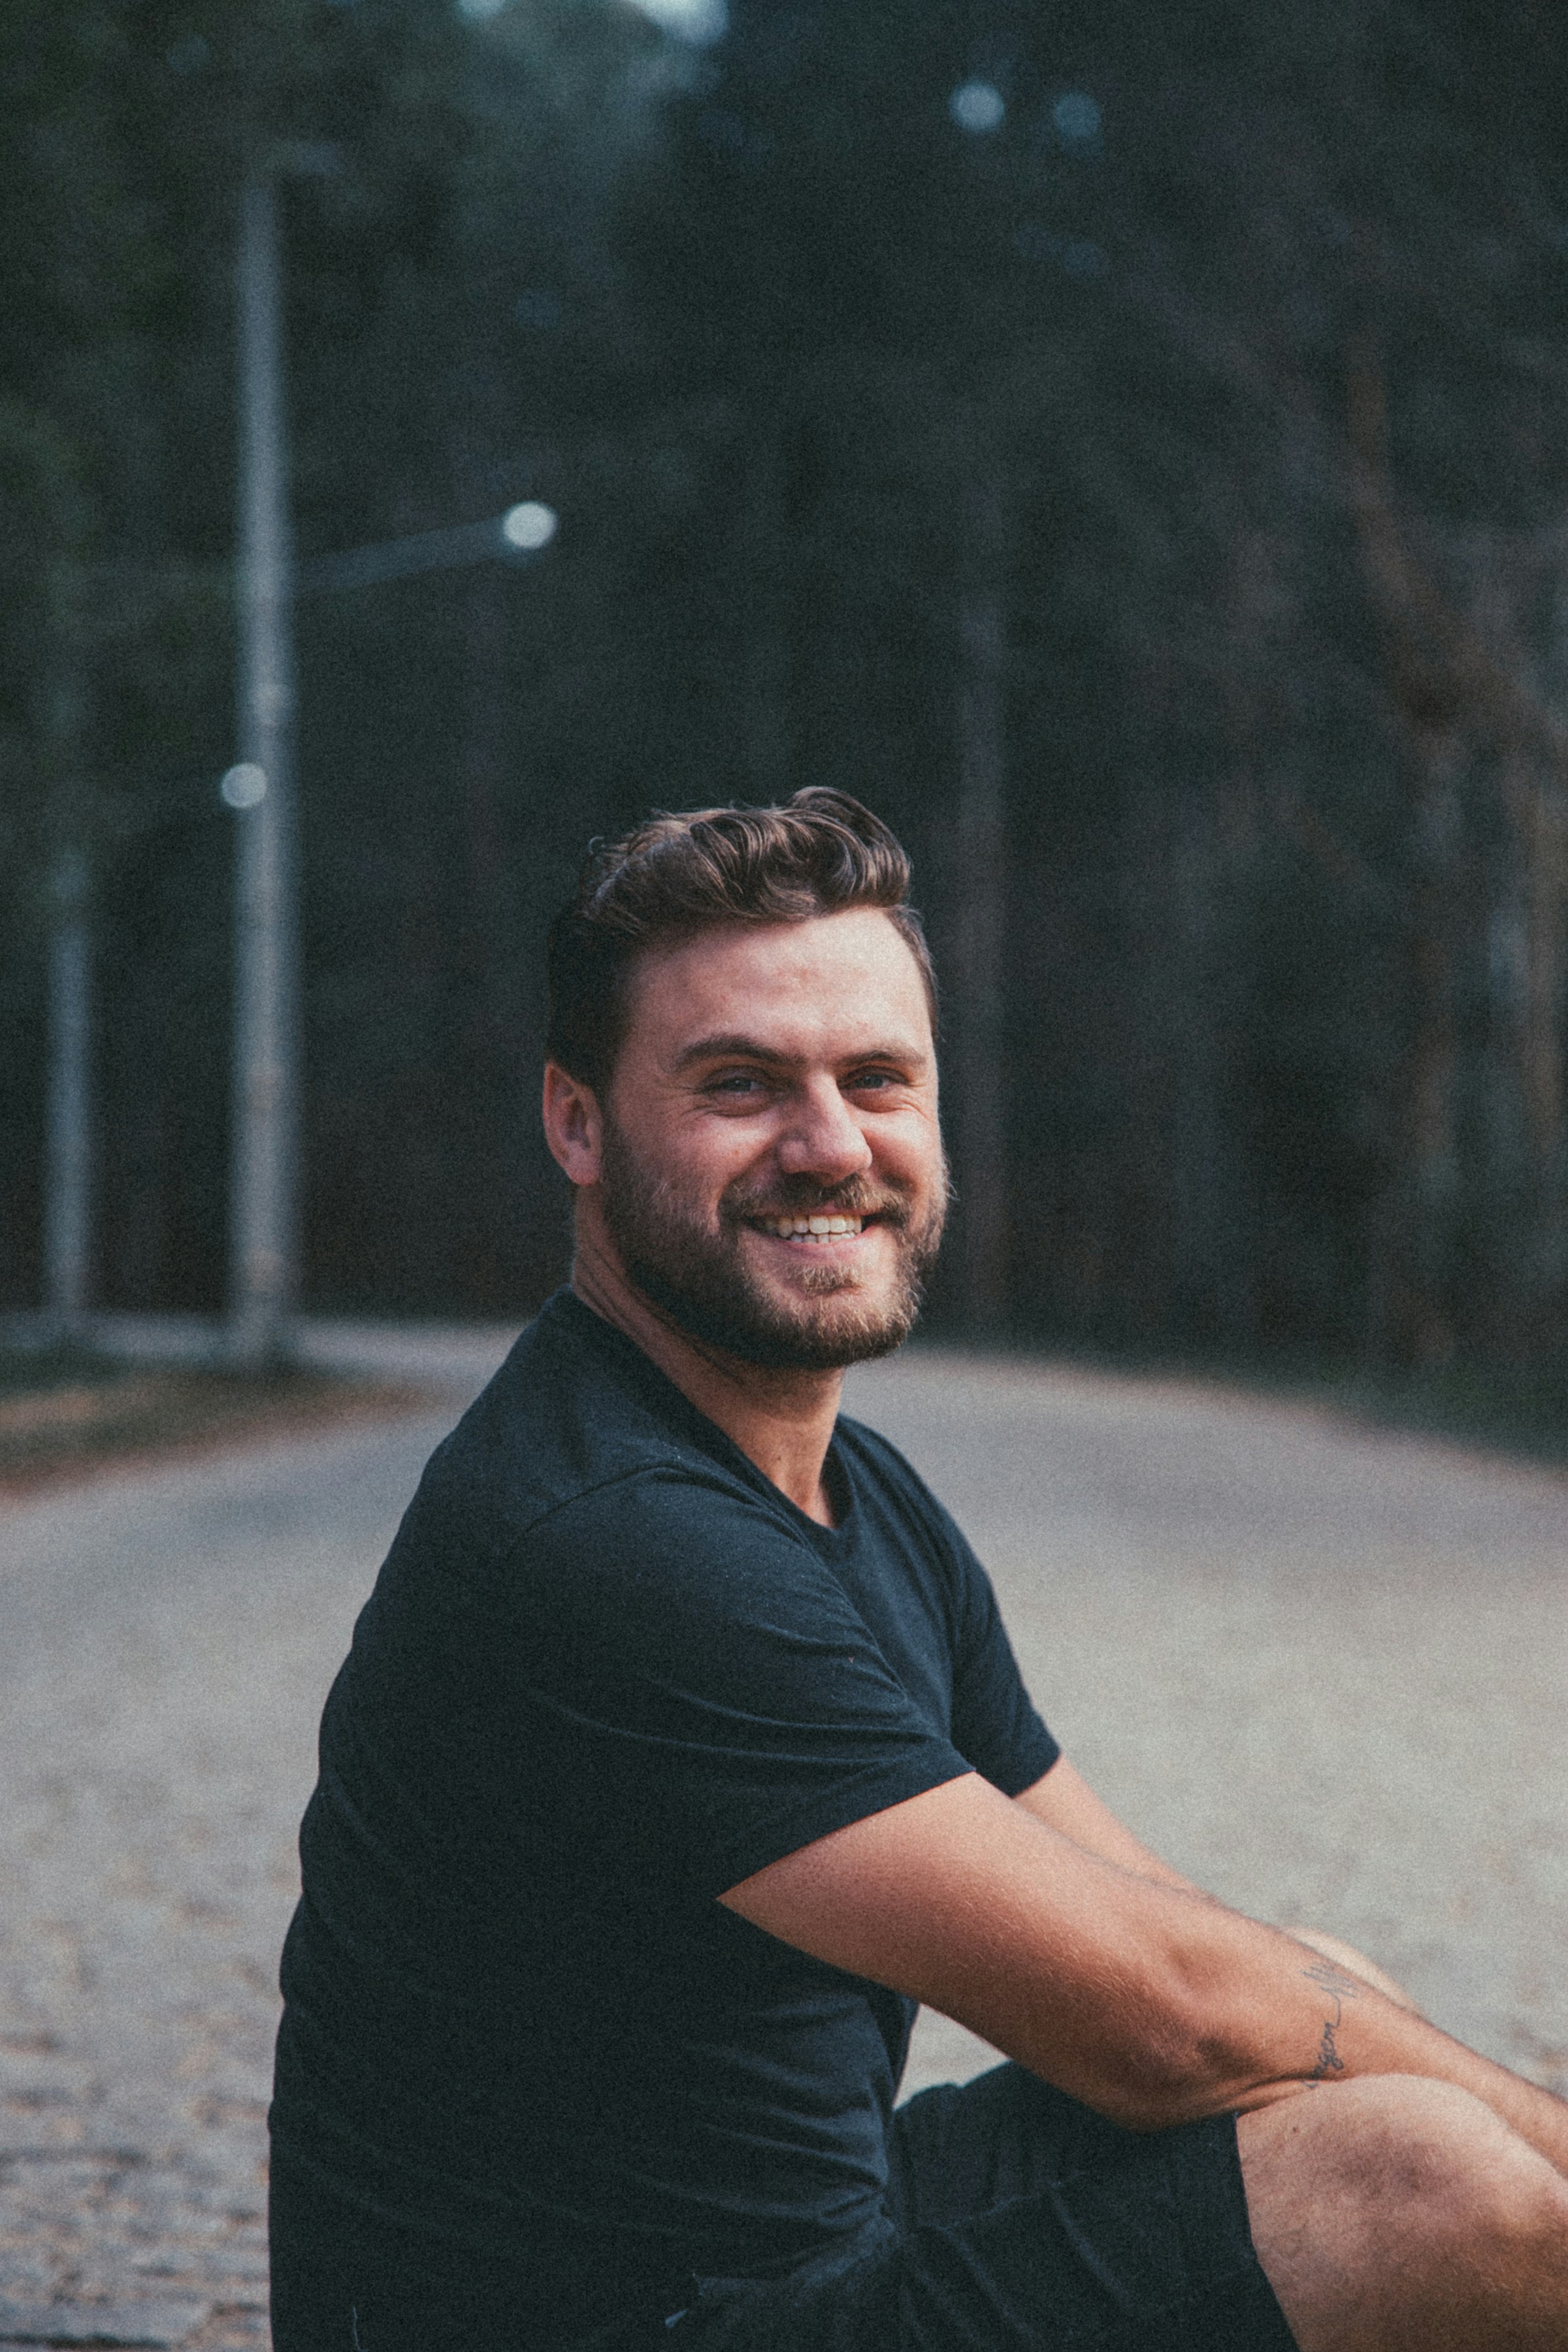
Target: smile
811,1229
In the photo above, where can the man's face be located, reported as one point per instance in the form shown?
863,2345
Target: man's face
771,1174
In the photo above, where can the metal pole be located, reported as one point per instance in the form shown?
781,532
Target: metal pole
68,1136
67,1202
263,1281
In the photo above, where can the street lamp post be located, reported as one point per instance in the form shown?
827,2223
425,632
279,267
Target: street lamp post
263,1253
68,1196
259,788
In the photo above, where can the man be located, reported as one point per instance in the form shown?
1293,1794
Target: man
680,1752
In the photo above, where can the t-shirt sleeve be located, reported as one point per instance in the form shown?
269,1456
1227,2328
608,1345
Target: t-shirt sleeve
693,1690
995,1722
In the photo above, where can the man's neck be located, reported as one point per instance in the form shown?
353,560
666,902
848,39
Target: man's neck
782,1421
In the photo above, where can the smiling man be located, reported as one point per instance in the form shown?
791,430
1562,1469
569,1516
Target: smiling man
680,1753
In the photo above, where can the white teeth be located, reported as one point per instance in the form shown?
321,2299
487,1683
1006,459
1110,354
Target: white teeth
812,1229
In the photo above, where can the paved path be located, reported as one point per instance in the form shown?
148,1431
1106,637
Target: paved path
1322,1671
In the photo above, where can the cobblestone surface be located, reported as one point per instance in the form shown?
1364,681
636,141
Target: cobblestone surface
166,1644
1322,1671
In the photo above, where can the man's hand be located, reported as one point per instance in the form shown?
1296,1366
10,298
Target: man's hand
1147,2001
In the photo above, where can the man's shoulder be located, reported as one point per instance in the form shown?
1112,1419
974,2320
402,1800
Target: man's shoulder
576,1412
867,1445
876,1457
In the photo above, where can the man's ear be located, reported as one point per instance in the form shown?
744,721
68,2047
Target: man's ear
574,1124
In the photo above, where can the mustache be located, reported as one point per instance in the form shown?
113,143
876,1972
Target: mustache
803,1196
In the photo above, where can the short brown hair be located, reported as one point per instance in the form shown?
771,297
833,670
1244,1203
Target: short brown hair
818,853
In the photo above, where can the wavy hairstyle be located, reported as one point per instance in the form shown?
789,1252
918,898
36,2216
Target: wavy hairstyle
818,853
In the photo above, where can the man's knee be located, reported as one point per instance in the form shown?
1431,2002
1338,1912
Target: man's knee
1430,2146
1393,2196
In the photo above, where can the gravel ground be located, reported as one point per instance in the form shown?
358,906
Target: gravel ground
1322,1670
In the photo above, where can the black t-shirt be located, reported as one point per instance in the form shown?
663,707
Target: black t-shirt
606,1672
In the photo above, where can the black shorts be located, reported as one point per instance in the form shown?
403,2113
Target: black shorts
1017,2221
1025,2222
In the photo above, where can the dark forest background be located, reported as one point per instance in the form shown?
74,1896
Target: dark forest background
1126,445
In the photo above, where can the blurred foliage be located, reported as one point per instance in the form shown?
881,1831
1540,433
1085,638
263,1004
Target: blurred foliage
1250,323
1256,324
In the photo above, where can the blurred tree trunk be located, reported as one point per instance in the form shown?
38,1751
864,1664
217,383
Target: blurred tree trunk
976,1061
486,920
1546,897
1461,666
1409,1259
764,615
69,1132
1204,1239
43,751
1534,1223
1411,1319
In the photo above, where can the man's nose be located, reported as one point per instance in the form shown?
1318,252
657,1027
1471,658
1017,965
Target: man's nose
823,1138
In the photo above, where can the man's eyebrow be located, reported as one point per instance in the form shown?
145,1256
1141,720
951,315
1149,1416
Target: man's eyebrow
735,1046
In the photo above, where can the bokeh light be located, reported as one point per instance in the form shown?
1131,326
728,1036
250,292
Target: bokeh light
243,786
529,526
977,106
697,21
1076,116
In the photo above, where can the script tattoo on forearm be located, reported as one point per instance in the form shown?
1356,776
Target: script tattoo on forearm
1340,1988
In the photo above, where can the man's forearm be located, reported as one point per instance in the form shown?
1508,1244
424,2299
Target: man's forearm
1364,2032
1345,1956
1213,2012
1311,2021
1150,2002
1339,1974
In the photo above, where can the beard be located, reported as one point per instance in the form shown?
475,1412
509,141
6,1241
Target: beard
694,1268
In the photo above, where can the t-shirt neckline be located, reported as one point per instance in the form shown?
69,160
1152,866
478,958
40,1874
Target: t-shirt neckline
673,1404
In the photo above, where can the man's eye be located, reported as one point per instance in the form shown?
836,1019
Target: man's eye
865,1081
736,1081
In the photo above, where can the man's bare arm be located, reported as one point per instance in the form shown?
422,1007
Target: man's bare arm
1064,1801
1151,2004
